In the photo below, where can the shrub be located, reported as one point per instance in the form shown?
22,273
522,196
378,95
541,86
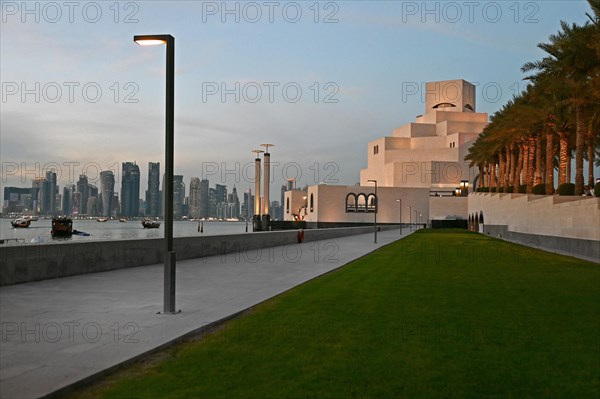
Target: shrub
523,188
566,189
539,189
509,189
500,189
493,189
597,189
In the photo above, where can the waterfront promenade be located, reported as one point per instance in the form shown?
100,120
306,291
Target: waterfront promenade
55,333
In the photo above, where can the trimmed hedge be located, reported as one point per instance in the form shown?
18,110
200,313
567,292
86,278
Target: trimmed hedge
523,188
597,189
539,189
566,189
509,189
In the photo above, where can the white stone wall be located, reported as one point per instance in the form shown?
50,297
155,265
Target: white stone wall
562,216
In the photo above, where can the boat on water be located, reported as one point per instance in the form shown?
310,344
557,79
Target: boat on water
62,227
21,223
122,220
150,224
101,220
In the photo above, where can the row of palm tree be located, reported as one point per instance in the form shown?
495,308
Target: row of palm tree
558,114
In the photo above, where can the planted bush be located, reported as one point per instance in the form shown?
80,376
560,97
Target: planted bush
523,188
566,189
509,189
539,189
597,189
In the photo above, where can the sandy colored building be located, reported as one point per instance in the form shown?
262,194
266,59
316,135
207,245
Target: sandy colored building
421,163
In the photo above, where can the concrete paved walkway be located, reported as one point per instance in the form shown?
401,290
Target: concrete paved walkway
55,333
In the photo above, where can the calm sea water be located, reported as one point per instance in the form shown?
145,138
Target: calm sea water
115,230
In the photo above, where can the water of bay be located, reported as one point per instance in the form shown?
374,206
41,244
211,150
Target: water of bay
114,230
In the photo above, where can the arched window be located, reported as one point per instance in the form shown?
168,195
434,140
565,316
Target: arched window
371,203
312,202
444,105
361,203
481,217
351,202
287,205
468,107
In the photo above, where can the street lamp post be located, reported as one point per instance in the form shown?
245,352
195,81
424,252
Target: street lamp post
410,216
376,206
399,200
416,218
266,216
169,254
256,226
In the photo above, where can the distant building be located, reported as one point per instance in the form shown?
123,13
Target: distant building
178,196
84,189
107,188
194,197
153,198
67,200
204,199
130,189
16,199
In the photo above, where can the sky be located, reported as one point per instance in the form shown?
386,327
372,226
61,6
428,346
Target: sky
319,80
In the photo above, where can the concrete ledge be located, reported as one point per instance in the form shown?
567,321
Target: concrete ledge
585,249
26,263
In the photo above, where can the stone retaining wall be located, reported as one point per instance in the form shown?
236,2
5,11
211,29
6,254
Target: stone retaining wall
32,262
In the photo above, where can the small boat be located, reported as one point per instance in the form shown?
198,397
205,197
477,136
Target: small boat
21,223
101,220
62,227
122,220
150,224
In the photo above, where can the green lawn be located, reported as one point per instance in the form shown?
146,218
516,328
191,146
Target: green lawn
446,314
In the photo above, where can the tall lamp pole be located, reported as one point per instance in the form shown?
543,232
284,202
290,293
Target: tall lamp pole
376,206
256,226
410,217
169,254
266,216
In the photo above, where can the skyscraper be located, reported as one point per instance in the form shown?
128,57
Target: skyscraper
49,193
153,193
178,196
204,198
107,188
36,194
67,203
130,189
194,202
84,188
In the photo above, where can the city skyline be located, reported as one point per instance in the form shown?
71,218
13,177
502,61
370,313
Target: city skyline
372,57
84,198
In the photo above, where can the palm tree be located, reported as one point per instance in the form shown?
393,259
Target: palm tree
569,63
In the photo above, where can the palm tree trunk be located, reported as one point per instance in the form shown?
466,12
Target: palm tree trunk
591,156
563,158
501,170
493,175
569,158
538,159
579,147
519,168
550,150
530,165
513,166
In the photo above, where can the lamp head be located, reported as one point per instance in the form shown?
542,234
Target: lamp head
152,40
